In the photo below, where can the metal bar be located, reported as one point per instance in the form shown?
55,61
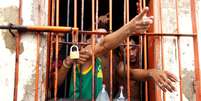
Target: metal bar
53,13
145,57
39,28
162,59
74,39
139,9
128,53
57,52
67,39
179,51
37,66
16,67
51,36
56,68
161,40
93,49
17,53
82,20
111,52
97,5
48,52
75,13
196,51
142,34
145,65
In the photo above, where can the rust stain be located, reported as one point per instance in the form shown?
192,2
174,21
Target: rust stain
10,18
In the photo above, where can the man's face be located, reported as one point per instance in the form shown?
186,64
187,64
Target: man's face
134,50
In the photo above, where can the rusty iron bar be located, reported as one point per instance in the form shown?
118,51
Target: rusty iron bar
62,29
22,28
145,54
82,20
196,52
37,65
18,37
142,34
161,40
145,65
111,52
67,39
74,39
96,18
51,36
139,9
179,50
57,52
87,43
16,67
48,52
127,51
93,49
56,68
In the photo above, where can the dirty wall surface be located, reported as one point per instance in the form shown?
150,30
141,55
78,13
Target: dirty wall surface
34,12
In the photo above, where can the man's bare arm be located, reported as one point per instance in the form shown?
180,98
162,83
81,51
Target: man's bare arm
139,24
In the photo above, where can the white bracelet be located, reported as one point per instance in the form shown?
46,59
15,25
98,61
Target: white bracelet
65,65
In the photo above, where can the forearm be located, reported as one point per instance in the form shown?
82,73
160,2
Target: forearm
139,74
62,73
113,40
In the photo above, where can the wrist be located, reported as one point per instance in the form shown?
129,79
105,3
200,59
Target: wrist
149,74
67,63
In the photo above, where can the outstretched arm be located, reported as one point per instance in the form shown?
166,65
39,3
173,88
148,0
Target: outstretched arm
163,79
138,24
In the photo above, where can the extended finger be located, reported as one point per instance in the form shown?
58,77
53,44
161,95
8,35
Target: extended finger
161,85
166,82
171,85
80,62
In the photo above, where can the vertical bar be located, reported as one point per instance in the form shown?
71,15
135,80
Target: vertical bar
145,65
196,52
111,52
67,39
17,53
37,65
75,13
141,50
53,12
56,67
74,39
93,48
179,51
128,52
57,12
145,58
162,57
97,3
161,26
48,51
82,20
57,52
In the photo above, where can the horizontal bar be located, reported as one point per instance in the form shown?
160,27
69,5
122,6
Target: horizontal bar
39,28
63,29
88,43
166,34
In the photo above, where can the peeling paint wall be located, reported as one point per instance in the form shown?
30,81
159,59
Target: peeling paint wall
34,12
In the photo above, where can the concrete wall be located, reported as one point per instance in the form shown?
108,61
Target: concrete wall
34,12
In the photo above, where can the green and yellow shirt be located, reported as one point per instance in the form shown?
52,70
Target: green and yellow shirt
86,83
